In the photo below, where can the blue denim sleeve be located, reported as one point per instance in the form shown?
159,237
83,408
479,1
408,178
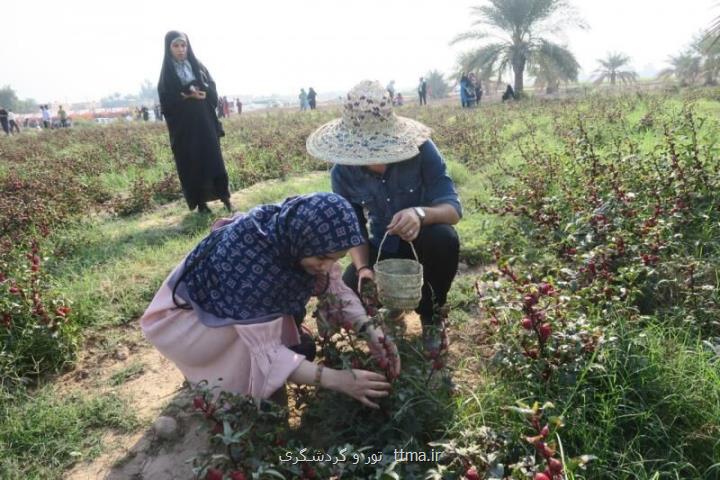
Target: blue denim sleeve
338,186
439,187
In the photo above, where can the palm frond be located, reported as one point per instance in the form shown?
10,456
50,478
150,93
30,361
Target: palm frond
601,78
557,59
472,35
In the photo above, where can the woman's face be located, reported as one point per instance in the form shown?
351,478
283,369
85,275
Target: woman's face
321,264
178,48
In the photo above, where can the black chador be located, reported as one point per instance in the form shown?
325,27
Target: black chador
193,125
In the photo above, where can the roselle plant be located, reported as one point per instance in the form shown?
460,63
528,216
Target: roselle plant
548,461
36,330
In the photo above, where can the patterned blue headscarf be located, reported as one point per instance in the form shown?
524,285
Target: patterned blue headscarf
254,269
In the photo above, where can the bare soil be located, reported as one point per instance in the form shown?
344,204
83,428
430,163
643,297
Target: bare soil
133,369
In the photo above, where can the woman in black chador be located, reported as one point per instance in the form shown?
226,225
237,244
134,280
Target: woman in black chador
188,99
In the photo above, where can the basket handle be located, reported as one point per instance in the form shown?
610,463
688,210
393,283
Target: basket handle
383,241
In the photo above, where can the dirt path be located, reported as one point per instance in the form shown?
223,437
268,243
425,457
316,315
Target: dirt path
151,384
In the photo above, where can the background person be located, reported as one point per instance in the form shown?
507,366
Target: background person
227,313
4,123
422,91
46,118
13,122
188,99
311,97
63,117
388,166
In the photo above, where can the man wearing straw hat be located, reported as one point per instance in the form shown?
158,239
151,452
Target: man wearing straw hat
387,167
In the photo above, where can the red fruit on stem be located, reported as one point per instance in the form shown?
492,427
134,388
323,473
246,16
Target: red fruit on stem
545,431
555,465
545,331
383,362
438,364
237,475
199,403
527,323
541,476
214,474
309,472
14,290
545,288
472,474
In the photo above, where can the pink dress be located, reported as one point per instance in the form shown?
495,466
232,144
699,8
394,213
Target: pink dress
246,359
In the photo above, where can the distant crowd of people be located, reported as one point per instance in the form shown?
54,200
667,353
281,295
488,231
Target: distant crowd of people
308,100
225,107
11,123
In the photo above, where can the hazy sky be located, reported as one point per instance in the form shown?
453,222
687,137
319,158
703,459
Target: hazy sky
72,50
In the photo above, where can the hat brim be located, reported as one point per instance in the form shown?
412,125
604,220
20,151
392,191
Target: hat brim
335,143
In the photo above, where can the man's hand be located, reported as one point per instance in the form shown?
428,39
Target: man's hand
406,224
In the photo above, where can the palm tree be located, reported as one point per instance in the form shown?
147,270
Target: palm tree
713,33
437,86
686,68
519,26
610,69
550,73
709,49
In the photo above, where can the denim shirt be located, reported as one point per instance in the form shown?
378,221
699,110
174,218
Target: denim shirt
417,182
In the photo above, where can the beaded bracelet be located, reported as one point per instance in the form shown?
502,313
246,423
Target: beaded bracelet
318,374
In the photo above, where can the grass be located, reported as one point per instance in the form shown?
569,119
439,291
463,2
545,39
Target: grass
44,434
134,370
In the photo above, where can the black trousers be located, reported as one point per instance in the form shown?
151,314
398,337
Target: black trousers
438,249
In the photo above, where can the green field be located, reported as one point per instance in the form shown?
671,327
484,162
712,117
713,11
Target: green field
596,219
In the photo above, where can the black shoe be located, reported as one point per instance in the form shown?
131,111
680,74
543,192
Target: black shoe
203,208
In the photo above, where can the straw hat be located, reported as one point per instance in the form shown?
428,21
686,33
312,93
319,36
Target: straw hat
368,132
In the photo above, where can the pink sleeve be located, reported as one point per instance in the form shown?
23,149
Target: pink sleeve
339,305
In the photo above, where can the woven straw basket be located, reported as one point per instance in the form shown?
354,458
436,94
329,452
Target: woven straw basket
399,281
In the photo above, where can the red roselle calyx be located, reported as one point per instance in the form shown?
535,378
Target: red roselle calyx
472,474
